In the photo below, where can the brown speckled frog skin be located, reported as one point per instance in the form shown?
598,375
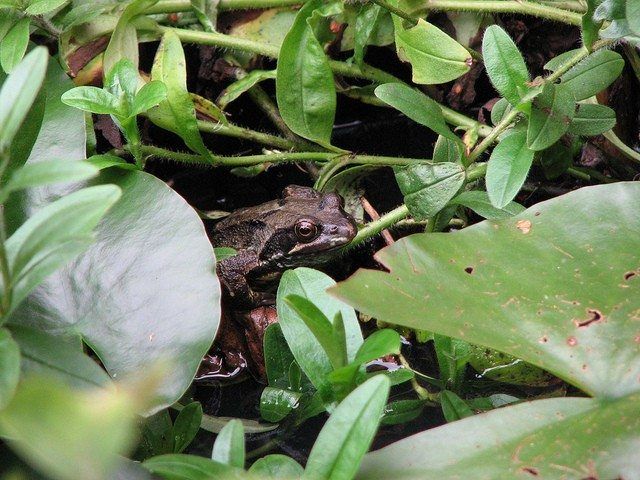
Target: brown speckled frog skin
300,228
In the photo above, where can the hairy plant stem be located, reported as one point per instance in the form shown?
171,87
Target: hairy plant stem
523,7
281,157
396,11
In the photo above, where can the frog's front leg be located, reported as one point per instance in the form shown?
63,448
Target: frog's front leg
233,273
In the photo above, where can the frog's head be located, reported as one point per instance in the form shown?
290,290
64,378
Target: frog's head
311,222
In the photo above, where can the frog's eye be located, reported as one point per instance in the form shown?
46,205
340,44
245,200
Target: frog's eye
306,230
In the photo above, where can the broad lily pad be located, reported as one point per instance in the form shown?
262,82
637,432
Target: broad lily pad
557,285
144,293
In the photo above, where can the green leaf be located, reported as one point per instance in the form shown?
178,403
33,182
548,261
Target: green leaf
367,19
191,467
591,120
312,284
305,91
40,7
633,15
322,329
590,26
348,433
107,160
14,44
561,60
452,355
9,4
402,411
447,150
593,74
551,114
62,358
508,168
169,67
229,445
9,367
479,202
186,426
600,434
48,172
499,110
277,403
276,466
417,106
453,407
124,39
107,298
92,99
524,286
73,216
378,344
504,63
18,93
148,97
277,357
427,188
434,56
246,83
66,433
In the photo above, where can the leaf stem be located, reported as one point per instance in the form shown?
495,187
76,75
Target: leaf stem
396,11
376,226
506,121
523,7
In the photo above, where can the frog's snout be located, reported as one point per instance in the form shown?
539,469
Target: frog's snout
345,230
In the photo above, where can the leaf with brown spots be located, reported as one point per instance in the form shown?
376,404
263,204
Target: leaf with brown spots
558,297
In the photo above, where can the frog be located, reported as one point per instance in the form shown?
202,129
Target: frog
304,227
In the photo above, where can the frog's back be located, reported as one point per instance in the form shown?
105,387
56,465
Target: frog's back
243,229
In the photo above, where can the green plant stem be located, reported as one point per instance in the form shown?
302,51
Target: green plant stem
235,131
281,157
262,99
505,6
170,6
396,11
422,392
5,298
506,121
385,221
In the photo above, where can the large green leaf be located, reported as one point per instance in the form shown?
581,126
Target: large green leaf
557,438
145,292
305,91
593,74
556,285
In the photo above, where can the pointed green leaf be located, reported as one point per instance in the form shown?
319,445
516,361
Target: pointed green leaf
18,93
229,445
479,202
186,426
378,344
14,44
169,67
508,168
591,120
417,106
92,99
593,74
305,90
348,433
504,63
40,7
9,367
148,97
276,466
551,114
